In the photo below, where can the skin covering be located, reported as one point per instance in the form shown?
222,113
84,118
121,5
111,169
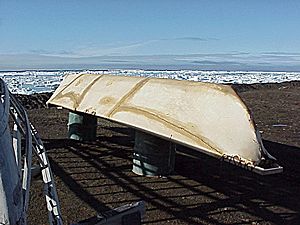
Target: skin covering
207,117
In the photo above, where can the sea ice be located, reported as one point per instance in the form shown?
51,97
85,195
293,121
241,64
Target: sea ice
28,82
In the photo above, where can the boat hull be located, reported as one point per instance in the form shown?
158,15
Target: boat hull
210,118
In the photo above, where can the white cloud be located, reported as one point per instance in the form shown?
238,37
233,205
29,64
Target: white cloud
121,48
210,61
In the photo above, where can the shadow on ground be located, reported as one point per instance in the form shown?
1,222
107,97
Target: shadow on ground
202,190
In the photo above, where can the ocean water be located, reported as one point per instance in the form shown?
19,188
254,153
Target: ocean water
29,82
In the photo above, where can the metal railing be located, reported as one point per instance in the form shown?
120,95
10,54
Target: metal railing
33,144
24,130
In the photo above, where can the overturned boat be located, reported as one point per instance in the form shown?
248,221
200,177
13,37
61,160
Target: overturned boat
209,118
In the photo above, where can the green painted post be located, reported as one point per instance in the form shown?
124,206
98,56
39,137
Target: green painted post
153,156
82,127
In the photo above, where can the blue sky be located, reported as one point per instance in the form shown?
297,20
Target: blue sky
156,34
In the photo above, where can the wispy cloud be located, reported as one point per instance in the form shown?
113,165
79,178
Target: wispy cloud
39,51
93,49
37,59
121,50
282,53
189,39
281,57
59,53
227,63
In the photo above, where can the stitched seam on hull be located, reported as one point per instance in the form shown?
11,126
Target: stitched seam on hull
160,119
77,98
59,93
85,91
131,93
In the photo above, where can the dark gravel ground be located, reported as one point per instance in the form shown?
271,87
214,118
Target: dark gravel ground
96,176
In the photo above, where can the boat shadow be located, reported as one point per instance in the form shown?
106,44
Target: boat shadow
202,189
271,198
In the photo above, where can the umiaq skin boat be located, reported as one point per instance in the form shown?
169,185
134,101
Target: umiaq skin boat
209,118
16,168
